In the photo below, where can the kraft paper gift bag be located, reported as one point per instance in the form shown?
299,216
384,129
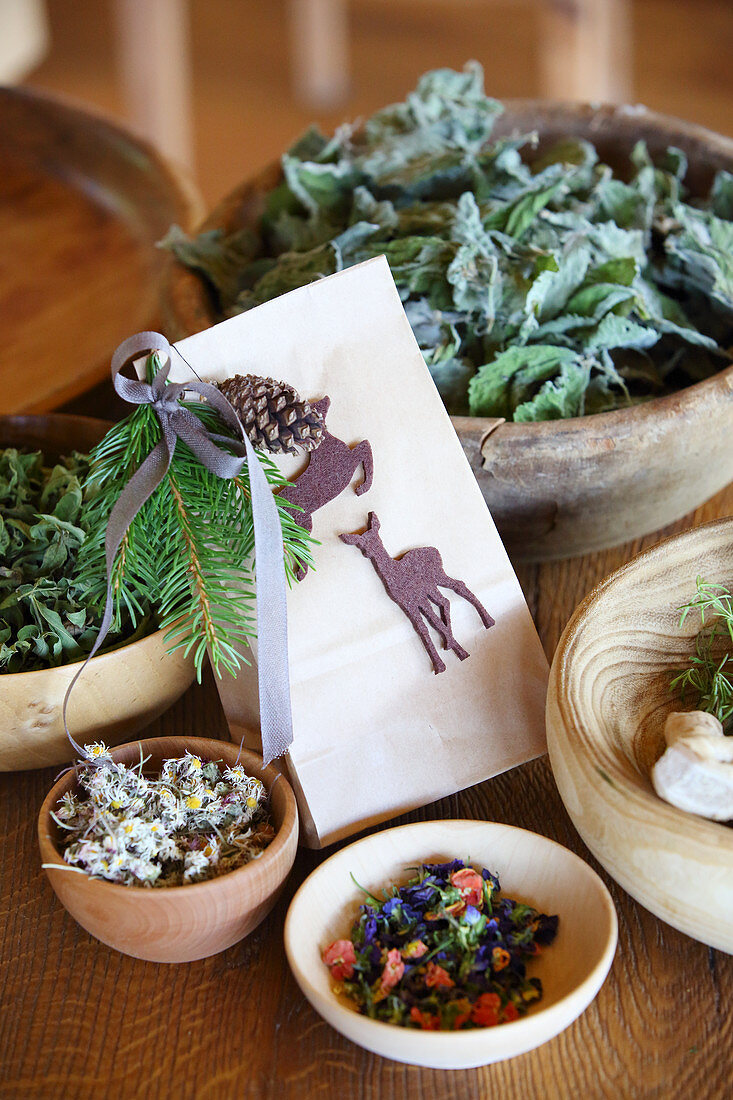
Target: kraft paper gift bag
377,728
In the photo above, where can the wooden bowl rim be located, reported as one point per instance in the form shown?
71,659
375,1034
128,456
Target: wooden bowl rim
619,786
155,640
231,880
666,407
177,182
96,422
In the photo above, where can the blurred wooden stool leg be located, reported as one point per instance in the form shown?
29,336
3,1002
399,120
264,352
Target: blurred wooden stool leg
586,50
319,34
154,64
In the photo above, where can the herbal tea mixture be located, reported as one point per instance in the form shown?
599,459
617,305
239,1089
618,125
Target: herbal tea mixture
190,823
444,952
538,287
49,610
709,679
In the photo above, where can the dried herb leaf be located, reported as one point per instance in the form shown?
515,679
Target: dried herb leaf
516,252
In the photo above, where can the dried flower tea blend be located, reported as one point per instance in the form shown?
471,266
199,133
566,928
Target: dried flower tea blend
50,608
444,952
538,287
190,823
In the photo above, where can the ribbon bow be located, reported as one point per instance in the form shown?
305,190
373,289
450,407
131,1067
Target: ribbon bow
179,423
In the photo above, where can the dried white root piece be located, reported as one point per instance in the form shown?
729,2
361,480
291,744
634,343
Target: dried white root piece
695,773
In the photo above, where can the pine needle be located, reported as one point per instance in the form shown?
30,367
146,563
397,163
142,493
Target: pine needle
189,552
710,676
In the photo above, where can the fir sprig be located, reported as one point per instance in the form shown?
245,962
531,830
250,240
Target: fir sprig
188,552
710,675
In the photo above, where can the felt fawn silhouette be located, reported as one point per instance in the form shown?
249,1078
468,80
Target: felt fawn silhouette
413,582
329,471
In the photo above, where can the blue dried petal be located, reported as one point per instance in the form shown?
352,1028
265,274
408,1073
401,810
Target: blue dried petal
493,879
444,868
472,915
421,895
389,906
546,929
370,929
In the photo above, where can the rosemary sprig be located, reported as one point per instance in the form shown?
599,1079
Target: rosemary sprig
710,675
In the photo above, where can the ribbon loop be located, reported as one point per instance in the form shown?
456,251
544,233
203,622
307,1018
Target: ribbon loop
178,422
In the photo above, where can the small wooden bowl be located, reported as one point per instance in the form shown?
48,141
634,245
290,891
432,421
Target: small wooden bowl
121,691
177,923
608,699
531,868
562,487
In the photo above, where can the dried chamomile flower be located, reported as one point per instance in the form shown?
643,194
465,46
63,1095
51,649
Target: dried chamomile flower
187,824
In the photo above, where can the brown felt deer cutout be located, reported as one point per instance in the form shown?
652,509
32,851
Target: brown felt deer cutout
413,582
332,466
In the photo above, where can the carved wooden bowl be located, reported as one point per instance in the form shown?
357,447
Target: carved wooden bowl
563,487
177,923
607,702
120,692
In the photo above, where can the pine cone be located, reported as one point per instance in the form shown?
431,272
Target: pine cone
273,414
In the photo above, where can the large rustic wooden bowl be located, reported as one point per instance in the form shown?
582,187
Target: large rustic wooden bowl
82,204
563,487
607,702
120,692
531,868
177,923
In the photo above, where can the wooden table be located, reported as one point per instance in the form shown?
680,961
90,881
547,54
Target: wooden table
78,1020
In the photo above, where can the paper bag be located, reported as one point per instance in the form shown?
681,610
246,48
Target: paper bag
376,730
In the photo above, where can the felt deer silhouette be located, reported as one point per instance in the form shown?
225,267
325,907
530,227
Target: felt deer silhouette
329,471
413,581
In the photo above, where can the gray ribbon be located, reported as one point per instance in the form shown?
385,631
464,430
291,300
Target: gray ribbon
179,423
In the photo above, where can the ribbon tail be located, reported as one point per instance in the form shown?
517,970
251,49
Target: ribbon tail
139,488
273,674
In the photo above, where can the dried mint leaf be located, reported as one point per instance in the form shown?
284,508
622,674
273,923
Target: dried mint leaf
48,614
538,285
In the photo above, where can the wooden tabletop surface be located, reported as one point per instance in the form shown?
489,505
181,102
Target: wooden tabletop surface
78,1020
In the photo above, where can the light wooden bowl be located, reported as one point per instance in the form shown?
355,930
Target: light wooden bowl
607,702
531,868
120,692
178,923
562,487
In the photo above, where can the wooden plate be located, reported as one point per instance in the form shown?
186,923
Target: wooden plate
82,204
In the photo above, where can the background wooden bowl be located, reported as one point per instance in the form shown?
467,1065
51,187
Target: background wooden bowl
560,488
82,204
121,691
531,868
177,923
607,702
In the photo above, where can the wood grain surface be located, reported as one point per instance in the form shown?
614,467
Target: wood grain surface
79,1021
